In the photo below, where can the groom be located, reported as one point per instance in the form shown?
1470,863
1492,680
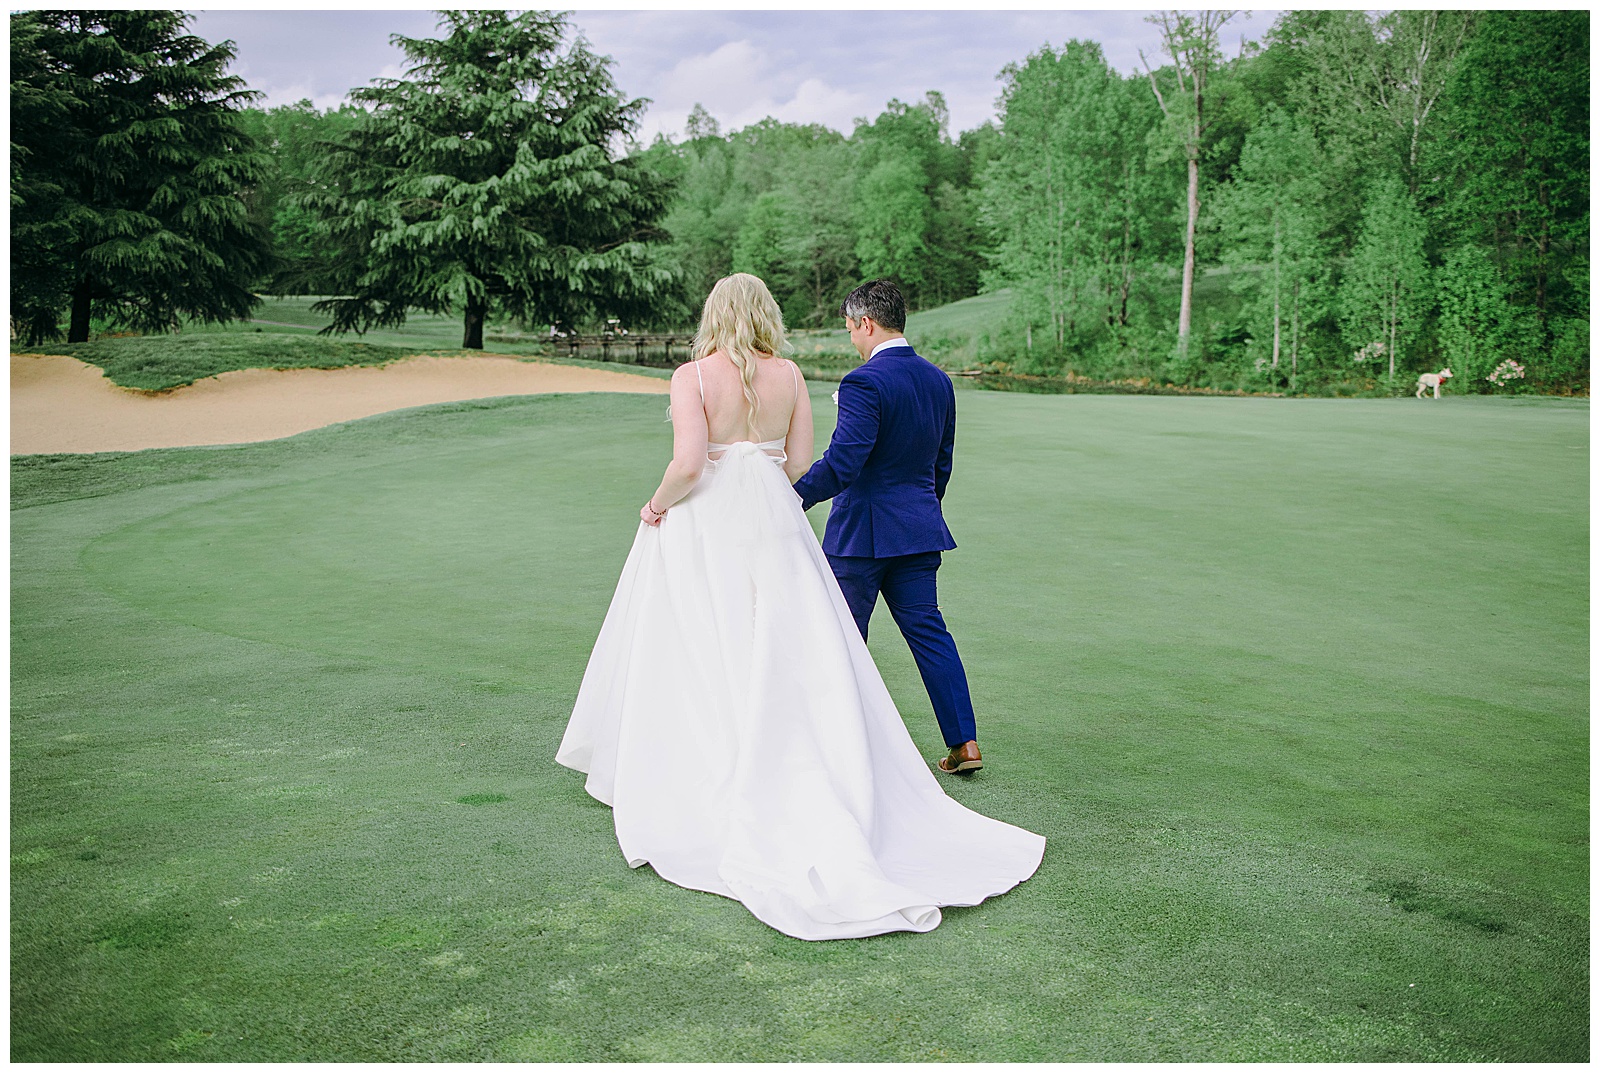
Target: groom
886,471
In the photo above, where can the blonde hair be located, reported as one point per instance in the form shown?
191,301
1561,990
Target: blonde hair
741,319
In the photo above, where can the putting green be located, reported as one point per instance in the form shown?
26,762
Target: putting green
1297,690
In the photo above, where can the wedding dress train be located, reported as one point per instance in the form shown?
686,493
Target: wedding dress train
733,719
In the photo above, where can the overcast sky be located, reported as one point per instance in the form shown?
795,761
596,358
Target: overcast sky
798,66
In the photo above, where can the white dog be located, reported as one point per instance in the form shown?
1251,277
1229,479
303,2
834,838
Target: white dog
1433,380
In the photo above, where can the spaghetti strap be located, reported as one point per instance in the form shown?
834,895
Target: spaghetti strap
702,378
796,370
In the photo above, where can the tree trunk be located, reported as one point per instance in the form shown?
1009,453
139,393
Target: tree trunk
1075,280
1540,276
78,330
1058,312
472,337
1394,324
1186,302
1277,292
1294,337
1191,46
1127,267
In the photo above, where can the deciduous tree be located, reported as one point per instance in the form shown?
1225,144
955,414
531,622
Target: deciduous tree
1477,325
1519,167
1191,42
893,212
906,171
295,138
1273,226
1383,295
1066,194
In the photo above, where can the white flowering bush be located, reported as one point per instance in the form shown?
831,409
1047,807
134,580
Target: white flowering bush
1370,352
1506,372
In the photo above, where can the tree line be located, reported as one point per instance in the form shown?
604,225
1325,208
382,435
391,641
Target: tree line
1352,200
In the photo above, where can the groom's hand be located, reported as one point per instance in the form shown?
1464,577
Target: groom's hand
853,438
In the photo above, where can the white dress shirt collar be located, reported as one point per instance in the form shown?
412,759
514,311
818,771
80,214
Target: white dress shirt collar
898,340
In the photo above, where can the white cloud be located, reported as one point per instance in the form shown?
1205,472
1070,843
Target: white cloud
740,83
297,92
818,102
717,79
806,66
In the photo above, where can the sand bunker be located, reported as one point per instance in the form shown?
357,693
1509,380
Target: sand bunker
60,404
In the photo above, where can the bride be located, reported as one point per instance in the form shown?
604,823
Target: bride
730,714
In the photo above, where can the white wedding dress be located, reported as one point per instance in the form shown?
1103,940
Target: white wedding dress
733,719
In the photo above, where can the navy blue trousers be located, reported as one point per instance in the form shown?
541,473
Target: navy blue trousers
910,588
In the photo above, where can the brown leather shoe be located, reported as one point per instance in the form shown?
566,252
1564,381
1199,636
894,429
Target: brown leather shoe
962,758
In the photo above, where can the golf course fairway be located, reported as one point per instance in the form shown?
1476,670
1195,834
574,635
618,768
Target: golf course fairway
1297,691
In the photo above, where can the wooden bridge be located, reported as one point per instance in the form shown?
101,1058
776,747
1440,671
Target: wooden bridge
660,351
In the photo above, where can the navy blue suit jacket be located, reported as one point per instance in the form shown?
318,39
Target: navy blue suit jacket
889,461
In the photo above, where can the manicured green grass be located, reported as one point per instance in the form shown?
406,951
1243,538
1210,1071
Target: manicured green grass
946,335
293,314
164,362
281,335
284,336
968,317
1296,689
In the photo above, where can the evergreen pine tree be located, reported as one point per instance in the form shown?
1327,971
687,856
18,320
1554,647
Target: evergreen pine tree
489,180
129,168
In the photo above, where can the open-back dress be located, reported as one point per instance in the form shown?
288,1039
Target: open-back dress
732,718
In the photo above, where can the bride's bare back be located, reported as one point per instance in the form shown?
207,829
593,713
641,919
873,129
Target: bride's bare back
709,406
777,384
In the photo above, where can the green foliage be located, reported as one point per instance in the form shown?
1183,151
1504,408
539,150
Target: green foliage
819,253
487,185
1477,324
1519,160
795,234
485,182
915,218
1071,199
298,137
893,212
813,213
1272,217
1371,87
129,175
769,226
1384,293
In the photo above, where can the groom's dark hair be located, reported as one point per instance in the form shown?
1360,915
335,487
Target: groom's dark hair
881,300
